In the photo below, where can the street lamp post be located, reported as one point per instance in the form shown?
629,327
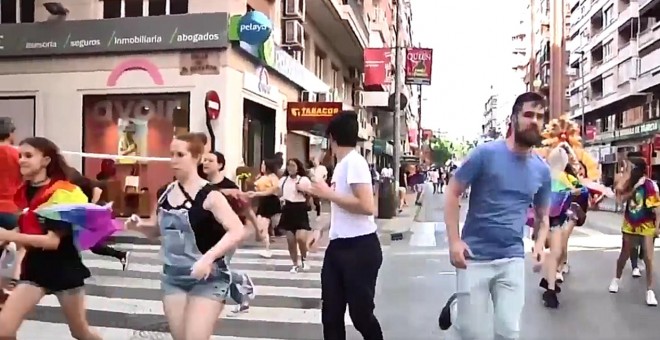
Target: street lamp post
398,84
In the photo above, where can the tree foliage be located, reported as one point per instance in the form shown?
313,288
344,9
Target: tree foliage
441,151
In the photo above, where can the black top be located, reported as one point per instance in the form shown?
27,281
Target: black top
54,270
226,183
208,231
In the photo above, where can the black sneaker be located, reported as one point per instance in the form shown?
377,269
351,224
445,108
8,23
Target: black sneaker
544,284
124,260
550,299
444,320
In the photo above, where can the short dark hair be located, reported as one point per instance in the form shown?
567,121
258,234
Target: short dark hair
343,128
527,97
272,165
220,159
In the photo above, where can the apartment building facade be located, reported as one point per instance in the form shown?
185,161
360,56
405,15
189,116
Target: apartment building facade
614,92
112,68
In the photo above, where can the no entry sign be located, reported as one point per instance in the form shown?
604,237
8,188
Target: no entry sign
212,105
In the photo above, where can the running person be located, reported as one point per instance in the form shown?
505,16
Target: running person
198,228
295,220
266,189
640,221
93,192
52,263
506,178
213,165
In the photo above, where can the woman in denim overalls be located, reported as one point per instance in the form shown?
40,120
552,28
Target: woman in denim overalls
198,227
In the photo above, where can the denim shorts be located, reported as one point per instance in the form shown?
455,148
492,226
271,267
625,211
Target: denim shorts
216,287
8,220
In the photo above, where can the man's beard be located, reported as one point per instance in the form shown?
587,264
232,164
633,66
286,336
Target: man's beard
529,137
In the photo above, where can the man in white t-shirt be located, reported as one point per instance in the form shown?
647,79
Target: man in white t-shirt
354,256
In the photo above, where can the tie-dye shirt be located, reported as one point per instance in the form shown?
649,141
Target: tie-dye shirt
639,215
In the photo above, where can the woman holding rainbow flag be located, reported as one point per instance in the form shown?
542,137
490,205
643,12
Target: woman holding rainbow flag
55,225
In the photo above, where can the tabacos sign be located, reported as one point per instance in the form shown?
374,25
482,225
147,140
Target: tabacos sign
309,116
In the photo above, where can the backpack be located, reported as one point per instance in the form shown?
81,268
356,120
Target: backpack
308,199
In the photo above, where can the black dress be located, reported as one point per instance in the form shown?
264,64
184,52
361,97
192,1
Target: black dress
54,270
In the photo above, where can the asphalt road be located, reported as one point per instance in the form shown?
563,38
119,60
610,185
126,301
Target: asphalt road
416,280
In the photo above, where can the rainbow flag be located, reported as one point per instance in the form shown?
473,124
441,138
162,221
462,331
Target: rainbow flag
560,198
91,223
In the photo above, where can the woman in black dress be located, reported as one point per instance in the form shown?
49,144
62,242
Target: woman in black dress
52,263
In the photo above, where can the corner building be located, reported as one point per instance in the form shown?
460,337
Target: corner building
121,77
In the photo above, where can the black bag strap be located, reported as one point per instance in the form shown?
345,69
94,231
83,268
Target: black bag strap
185,193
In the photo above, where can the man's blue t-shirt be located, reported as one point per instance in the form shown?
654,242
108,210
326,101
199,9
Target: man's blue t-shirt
503,186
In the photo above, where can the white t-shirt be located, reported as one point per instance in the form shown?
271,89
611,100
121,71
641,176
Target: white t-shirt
289,190
352,169
386,172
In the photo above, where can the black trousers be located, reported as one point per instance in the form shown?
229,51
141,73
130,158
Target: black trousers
317,206
105,250
349,274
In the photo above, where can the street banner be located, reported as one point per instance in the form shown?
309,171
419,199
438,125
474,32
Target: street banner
419,62
377,66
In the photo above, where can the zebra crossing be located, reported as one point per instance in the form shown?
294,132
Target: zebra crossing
127,304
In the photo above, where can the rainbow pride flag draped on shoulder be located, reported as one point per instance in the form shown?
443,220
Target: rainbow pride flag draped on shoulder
65,202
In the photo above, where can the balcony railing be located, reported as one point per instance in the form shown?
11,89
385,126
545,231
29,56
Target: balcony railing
358,9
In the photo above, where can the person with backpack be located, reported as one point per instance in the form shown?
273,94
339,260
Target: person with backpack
295,208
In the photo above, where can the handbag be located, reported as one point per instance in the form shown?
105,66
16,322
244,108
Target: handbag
309,200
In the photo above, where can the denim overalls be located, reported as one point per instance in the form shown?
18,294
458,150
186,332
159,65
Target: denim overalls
179,252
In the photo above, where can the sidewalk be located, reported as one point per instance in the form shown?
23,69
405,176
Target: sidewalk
393,229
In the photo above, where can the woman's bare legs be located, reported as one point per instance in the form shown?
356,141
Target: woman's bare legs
292,245
624,255
264,225
174,306
22,301
648,261
551,262
302,237
566,235
73,307
201,315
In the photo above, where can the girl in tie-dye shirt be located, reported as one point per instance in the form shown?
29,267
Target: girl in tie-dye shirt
640,223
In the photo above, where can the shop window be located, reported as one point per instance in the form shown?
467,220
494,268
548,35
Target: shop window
21,111
141,125
8,12
133,8
138,8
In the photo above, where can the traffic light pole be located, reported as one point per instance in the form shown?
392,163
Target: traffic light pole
398,84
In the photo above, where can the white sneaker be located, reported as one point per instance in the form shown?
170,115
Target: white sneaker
559,277
650,298
266,254
305,266
565,269
641,265
636,272
294,270
614,286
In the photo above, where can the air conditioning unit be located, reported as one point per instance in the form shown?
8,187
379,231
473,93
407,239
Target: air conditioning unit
323,97
307,96
294,9
294,34
568,93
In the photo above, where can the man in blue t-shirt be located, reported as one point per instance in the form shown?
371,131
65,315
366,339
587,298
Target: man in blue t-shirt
505,178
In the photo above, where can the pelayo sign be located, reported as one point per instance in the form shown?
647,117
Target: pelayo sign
121,35
254,28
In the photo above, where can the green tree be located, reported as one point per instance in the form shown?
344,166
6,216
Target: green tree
440,151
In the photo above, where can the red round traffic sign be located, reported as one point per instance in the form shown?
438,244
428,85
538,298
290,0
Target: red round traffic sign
212,105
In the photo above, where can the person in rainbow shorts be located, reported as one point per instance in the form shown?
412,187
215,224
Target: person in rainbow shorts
563,151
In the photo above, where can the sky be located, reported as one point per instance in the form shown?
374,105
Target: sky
471,43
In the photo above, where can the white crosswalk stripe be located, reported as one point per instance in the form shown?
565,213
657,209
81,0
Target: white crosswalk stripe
126,304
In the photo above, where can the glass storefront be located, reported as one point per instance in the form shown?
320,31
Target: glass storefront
132,125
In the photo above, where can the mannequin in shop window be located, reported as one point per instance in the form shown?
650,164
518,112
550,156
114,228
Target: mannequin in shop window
127,144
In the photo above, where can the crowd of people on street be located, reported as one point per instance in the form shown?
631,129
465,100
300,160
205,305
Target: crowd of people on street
201,218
